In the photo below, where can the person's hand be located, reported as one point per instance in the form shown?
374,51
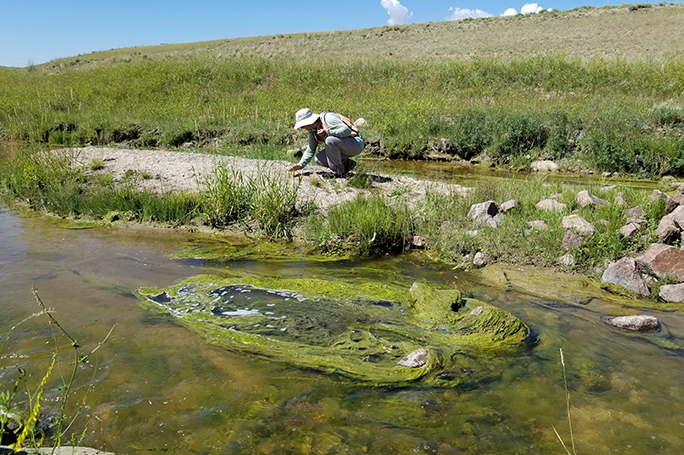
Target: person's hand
296,167
320,132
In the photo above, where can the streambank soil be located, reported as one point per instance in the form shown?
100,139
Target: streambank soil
168,171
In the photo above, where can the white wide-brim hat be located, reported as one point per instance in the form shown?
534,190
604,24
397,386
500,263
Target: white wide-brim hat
305,117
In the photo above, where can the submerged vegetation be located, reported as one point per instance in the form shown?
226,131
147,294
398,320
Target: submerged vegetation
24,422
363,338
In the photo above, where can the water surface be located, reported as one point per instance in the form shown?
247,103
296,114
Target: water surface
157,387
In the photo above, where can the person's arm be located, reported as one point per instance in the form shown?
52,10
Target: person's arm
308,153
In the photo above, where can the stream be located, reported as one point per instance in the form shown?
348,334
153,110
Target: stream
155,387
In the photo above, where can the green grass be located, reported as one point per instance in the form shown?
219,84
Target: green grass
366,225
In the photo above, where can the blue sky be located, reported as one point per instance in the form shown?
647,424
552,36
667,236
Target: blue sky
36,31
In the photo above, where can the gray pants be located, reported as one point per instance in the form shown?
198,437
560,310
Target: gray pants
337,152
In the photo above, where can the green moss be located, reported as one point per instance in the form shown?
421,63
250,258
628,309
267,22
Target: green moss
359,331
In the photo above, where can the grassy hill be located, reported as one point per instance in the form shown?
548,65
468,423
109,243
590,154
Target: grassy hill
640,32
599,88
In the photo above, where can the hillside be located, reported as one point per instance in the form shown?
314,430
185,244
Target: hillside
641,32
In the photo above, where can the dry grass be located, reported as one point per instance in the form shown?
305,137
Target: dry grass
633,34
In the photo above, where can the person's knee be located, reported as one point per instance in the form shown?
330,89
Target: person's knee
332,141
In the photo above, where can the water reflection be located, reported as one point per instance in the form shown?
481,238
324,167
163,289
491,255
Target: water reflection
158,387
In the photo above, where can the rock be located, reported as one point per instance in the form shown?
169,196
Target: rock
538,224
544,166
639,323
485,213
670,226
577,224
625,273
509,205
673,293
571,240
567,260
550,205
360,122
472,233
476,311
670,203
416,359
679,195
621,200
584,198
635,213
607,188
418,241
663,261
479,260
629,231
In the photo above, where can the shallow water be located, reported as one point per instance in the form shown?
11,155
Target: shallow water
157,387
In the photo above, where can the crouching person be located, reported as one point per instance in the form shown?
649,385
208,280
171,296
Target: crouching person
341,139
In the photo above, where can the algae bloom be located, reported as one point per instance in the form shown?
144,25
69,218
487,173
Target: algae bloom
363,338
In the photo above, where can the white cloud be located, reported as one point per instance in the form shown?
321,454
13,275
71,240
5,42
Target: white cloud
529,8
464,13
398,13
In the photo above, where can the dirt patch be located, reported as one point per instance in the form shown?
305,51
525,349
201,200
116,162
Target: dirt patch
169,171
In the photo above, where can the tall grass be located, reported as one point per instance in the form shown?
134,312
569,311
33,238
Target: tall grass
269,199
366,225
49,182
550,106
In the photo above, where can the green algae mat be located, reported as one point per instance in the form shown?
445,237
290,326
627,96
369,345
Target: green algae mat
373,332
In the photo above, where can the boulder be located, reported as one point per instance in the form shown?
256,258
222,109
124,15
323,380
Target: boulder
416,359
639,323
509,205
567,260
538,224
673,293
578,225
584,198
625,273
678,197
418,241
629,231
670,226
635,213
486,213
571,240
670,203
621,200
479,260
544,166
550,205
663,261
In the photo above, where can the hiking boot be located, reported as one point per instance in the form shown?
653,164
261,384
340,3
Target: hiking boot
349,164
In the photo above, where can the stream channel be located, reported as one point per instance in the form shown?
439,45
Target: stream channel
156,387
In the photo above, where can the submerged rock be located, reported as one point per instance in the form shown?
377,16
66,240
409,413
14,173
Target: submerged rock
365,337
639,323
416,359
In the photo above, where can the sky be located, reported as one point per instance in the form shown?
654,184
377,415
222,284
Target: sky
37,31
